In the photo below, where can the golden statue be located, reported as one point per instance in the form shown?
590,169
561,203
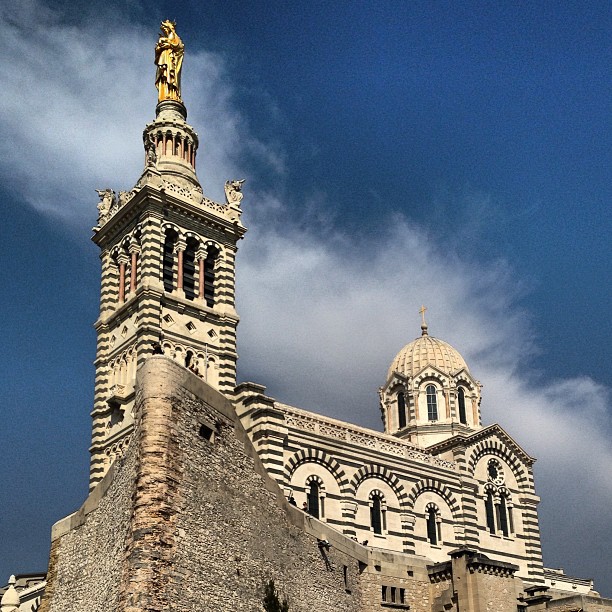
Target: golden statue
169,60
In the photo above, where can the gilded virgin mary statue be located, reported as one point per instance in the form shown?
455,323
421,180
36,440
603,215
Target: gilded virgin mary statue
169,61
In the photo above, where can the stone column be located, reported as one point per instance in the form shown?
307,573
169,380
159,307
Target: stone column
134,250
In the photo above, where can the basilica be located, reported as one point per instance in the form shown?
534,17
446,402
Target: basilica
202,491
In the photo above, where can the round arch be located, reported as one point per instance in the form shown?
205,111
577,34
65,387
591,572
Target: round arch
497,449
435,486
374,470
308,455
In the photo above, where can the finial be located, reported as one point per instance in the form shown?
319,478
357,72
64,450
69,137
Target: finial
424,331
169,61
10,599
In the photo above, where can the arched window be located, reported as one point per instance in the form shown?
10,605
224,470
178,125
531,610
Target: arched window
461,400
432,403
209,276
401,410
434,531
378,518
498,509
313,498
490,511
168,261
189,360
502,511
189,269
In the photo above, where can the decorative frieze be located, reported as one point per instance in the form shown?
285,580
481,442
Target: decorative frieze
383,443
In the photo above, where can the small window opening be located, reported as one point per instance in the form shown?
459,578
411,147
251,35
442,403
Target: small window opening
206,432
168,261
383,593
189,269
432,526
402,596
209,277
490,512
503,516
401,409
432,403
313,499
510,519
393,594
461,400
116,415
377,514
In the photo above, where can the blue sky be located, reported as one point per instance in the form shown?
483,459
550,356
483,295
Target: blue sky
452,154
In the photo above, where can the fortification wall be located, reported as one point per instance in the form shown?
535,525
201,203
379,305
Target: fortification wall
87,547
202,492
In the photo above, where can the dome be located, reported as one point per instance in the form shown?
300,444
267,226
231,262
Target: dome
425,351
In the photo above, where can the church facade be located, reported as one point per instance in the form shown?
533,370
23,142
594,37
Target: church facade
202,491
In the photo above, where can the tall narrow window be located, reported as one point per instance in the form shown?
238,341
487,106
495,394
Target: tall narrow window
503,516
510,518
376,511
313,499
401,410
461,400
432,403
209,277
189,269
168,261
490,512
432,526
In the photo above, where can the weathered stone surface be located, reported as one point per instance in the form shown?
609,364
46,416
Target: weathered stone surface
189,520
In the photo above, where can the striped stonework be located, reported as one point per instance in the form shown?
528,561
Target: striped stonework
351,464
152,299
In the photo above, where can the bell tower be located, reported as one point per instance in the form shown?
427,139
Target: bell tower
168,258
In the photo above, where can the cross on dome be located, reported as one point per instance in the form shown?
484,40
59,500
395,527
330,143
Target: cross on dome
424,331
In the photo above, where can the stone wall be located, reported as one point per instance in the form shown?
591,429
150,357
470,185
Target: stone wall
580,603
189,520
87,548
202,494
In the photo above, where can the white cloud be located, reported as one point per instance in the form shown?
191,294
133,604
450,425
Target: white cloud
323,312
75,101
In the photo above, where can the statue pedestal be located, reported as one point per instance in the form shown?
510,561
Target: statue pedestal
171,110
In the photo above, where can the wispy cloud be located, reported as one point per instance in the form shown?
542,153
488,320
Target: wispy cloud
75,101
323,312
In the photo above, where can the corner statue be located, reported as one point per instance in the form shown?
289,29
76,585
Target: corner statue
169,60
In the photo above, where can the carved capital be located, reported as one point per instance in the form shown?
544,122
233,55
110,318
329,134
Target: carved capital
134,246
123,258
